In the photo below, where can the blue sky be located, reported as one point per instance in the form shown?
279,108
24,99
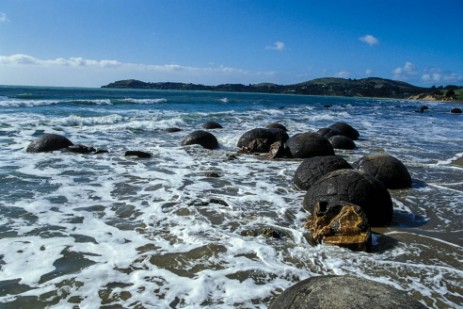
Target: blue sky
94,42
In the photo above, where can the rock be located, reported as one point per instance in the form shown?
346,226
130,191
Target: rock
343,292
342,142
276,125
312,169
346,130
341,224
136,153
173,130
386,168
212,125
456,110
422,109
329,132
81,149
200,137
306,145
260,139
353,187
49,142
277,150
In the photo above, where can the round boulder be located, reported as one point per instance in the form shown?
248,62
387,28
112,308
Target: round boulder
386,168
353,187
212,125
200,137
329,132
263,137
312,169
306,145
342,142
49,142
276,125
346,130
456,110
347,292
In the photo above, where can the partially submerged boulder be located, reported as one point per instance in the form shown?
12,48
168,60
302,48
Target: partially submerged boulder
276,125
312,169
342,142
346,129
310,144
386,168
339,223
82,149
260,139
212,125
346,292
200,137
329,132
456,110
353,187
138,154
49,142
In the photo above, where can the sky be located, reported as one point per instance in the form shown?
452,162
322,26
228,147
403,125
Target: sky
90,43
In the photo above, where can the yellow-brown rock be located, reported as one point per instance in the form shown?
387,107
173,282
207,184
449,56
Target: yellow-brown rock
339,223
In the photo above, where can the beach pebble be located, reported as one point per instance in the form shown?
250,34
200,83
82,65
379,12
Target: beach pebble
312,169
386,168
200,137
346,130
342,142
306,145
347,292
49,142
353,187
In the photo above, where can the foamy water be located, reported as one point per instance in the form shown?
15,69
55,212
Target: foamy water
101,230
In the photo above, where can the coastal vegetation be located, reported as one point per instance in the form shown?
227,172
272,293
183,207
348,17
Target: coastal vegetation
330,86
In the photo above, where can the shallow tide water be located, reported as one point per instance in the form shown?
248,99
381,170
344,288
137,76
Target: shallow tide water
188,227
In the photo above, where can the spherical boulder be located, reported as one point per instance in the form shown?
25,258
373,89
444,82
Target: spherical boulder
346,292
276,125
386,168
312,169
212,125
354,187
49,142
329,132
346,130
200,137
310,144
342,142
263,137
456,110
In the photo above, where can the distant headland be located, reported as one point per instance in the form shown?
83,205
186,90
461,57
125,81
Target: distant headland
330,86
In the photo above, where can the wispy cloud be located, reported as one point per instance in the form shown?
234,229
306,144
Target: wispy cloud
436,75
368,72
3,17
369,39
278,45
342,74
405,71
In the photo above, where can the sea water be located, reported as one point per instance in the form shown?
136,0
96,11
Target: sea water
186,228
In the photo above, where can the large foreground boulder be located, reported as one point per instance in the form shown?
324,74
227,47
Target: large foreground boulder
49,142
260,139
386,168
310,144
312,169
343,292
346,129
353,187
200,137
341,224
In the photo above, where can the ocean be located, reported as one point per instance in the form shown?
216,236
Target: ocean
189,228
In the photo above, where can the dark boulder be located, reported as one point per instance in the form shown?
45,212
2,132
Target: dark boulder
346,292
200,137
346,130
312,169
456,110
173,130
212,125
82,149
342,142
261,137
136,153
329,132
276,125
306,145
386,168
49,142
353,187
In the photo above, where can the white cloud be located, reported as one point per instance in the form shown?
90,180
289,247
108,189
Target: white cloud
369,39
342,74
368,72
278,45
405,71
438,76
3,17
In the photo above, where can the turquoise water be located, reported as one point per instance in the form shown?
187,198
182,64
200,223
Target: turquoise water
108,230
